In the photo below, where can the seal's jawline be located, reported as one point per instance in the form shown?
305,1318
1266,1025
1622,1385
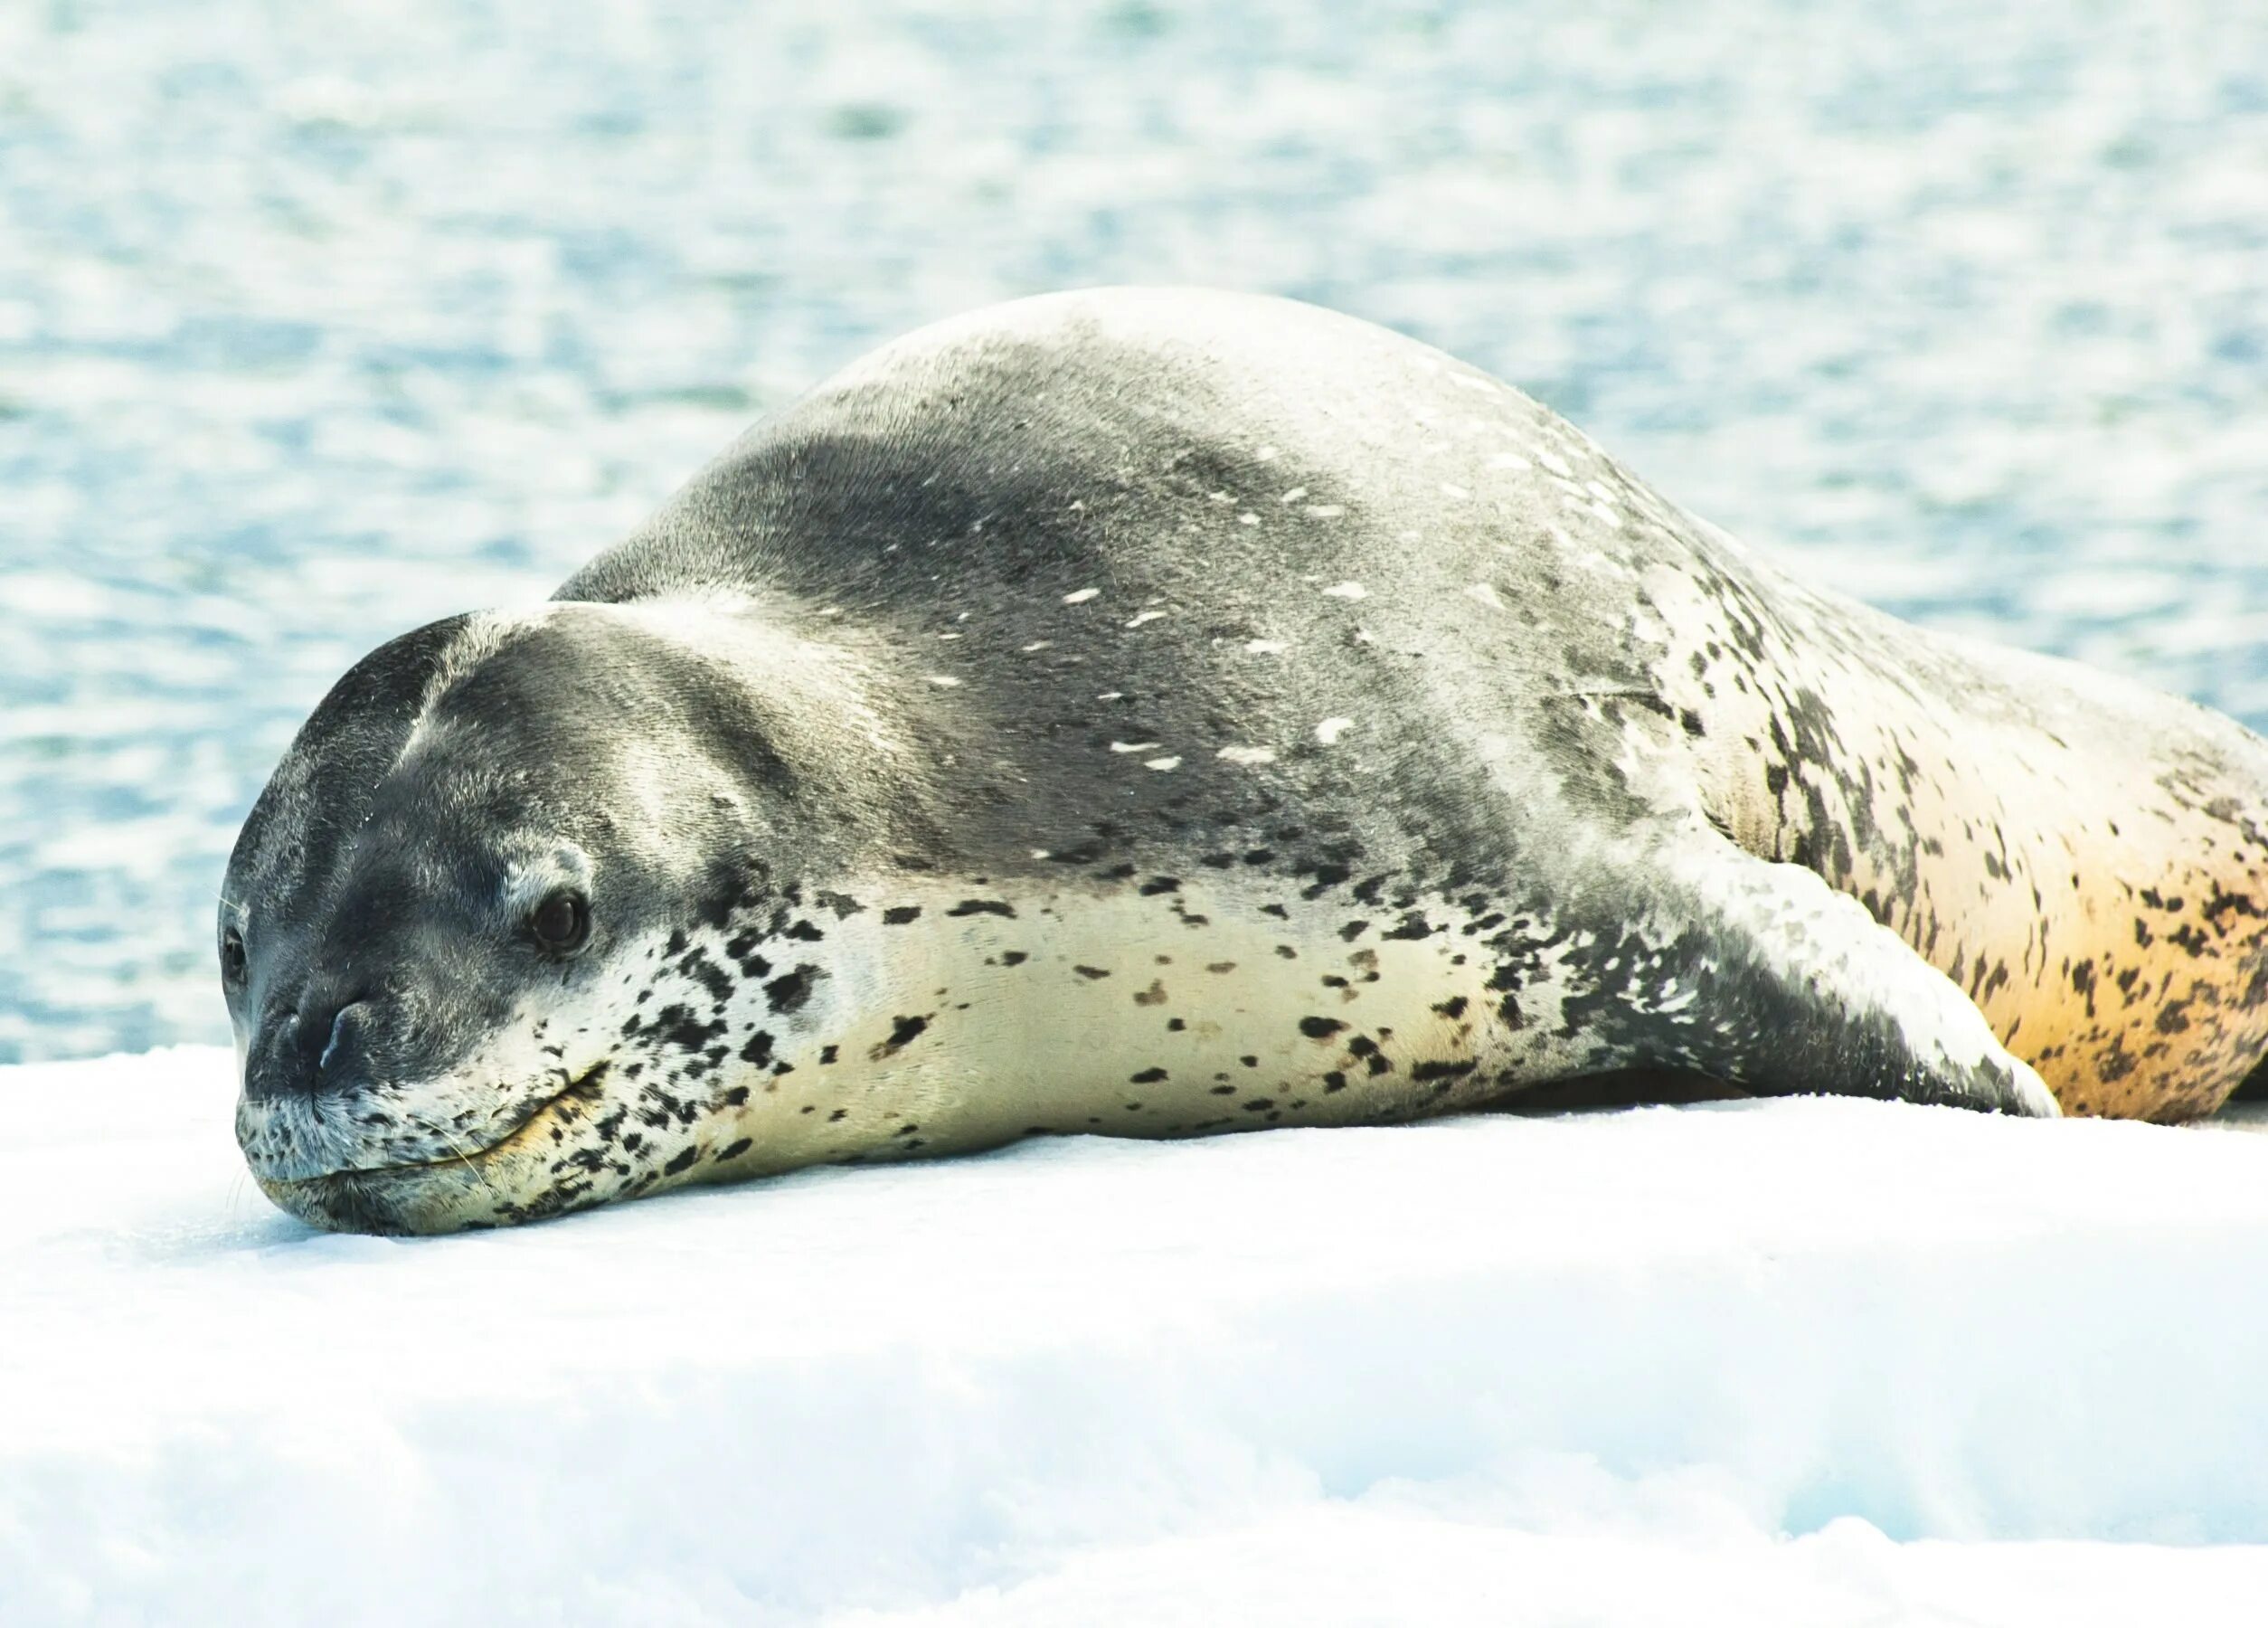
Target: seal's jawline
583,1084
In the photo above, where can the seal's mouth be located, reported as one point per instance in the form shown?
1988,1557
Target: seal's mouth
365,1197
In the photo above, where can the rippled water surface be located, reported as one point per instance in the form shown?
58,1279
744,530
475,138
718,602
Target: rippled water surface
317,322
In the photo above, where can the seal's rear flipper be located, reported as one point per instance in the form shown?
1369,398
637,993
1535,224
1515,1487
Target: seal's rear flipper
1797,989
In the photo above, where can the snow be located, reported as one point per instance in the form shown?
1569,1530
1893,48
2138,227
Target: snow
1799,1362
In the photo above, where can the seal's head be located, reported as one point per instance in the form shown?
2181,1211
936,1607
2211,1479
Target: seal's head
502,936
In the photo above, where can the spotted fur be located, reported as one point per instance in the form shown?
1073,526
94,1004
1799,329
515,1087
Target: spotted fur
1161,714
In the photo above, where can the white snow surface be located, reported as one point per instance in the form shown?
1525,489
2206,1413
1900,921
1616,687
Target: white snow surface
1804,1362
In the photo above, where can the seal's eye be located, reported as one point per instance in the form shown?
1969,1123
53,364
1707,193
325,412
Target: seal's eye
562,921
232,957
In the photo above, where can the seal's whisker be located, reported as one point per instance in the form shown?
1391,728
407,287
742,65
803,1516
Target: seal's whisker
457,1148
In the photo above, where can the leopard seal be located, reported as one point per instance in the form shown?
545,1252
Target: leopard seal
1157,713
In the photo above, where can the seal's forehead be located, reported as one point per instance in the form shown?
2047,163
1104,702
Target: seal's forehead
479,748
396,741
370,710
558,666
573,721
308,808
586,692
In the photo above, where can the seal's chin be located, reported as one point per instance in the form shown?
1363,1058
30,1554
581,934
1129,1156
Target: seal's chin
488,1186
404,1201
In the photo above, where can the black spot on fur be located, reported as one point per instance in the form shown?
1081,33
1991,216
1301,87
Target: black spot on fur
1440,1069
1327,877
707,974
679,1026
904,1032
741,950
788,992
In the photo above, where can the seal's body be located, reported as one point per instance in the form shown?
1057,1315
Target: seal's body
1157,713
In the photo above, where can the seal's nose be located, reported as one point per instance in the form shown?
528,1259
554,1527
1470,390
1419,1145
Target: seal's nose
316,1045
334,1035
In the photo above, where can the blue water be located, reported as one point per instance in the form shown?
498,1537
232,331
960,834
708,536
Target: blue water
318,321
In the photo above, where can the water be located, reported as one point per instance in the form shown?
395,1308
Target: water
317,322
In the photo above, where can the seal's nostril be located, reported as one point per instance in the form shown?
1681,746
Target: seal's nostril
324,1029
315,1046
330,1049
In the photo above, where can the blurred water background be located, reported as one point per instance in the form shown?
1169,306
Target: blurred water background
318,320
